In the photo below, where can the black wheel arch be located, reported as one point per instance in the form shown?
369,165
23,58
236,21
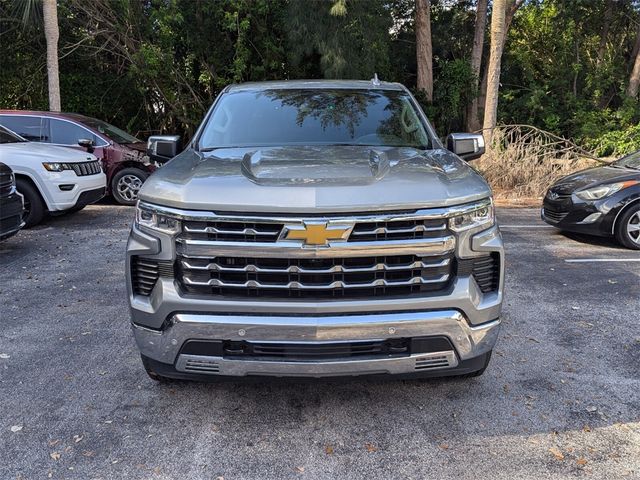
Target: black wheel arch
132,164
27,178
631,201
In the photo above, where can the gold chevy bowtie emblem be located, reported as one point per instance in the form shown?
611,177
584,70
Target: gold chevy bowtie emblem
317,233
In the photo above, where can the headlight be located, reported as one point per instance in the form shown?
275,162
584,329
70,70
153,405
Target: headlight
146,217
482,217
55,166
602,191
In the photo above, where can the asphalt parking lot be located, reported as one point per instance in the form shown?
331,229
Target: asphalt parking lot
561,398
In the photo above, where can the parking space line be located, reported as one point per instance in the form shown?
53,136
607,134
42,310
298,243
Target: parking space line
588,260
526,226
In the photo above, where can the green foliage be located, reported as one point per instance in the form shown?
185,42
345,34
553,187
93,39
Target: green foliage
553,77
157,65
453,90
330,45
611,132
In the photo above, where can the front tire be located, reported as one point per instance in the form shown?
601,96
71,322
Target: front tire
126,184
627,229
34,208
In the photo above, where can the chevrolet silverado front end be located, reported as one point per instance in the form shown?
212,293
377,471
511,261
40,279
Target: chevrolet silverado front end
352,244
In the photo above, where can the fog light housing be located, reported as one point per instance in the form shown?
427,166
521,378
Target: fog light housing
591,218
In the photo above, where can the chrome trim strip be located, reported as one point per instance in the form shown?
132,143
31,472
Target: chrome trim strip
214,282
290,249
244,231
335,269
425,214
201,364
385,230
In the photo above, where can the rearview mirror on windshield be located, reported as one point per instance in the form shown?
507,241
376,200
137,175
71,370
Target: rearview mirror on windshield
467,146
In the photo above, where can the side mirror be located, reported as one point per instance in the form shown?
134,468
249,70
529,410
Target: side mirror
162,148
86,143
467,146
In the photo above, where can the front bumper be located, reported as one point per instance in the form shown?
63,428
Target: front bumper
85,189
469,342
595,217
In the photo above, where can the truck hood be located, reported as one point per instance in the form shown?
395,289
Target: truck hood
314,179
12,153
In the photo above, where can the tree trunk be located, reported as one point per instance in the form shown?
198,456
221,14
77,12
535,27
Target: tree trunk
493,76
634,79
636,46
513,6
424,51
473,123
604,33
51,33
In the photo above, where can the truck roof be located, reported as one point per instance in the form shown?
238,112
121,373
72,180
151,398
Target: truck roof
316,84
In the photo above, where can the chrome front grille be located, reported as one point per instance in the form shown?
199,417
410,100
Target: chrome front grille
398,230
321,277
316,256
232,231
271,232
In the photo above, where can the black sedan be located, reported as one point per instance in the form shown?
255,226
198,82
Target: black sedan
602,201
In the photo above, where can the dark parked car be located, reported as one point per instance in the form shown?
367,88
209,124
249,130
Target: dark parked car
602,201
11,203
123,156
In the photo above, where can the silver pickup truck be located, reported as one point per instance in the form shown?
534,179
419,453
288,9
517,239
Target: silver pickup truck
315,229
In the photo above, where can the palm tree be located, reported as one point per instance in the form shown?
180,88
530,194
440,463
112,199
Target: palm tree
473,123
29,12
52,34
493,76
424,50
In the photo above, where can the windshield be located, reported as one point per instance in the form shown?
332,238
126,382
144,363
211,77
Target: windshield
7,136
114,133
314,117
630,161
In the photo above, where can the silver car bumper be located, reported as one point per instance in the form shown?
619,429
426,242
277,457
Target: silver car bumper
468,341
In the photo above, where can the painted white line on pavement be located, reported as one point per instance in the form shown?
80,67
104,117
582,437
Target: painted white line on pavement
588,260
526,226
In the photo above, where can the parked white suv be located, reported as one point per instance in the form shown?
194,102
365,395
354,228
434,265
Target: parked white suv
51,179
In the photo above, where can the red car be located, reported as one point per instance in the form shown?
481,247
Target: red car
123,156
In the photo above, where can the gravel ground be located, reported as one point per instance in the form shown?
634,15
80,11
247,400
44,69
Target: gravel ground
561,398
